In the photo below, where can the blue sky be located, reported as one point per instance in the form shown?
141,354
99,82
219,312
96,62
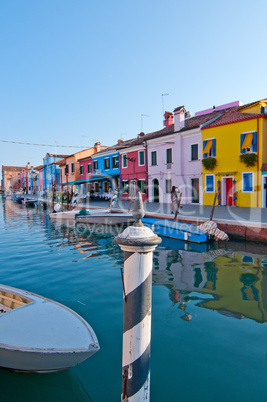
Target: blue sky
76,72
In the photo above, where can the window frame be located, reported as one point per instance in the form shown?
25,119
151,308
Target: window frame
142,191
72,167
171,161
125,186
124,161
253,146
213,184
89,168
212,152
156,158
252,182
95,163
196,159
107,163
115,165
81,169
142,152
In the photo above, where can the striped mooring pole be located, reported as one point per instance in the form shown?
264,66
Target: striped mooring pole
219,192
234,192
138,243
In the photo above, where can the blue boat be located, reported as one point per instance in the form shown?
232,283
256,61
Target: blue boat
176,230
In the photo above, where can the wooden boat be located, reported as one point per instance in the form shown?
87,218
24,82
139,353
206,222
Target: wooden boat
176,230
41,335
29,202
67,215
108,218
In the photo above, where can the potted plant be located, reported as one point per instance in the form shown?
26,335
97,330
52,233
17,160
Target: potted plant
209,163
249,159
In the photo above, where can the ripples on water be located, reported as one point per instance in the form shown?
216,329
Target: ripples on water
208,319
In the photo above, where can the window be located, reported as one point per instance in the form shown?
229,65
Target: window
124,186
247,182
141,186
95,165
209,183
115,162
124,161
67,169
106,163
81,169
169,155
96,186
248,142
72,168
168,185
141,158
89,168
194,152
153,158
105,186
209,148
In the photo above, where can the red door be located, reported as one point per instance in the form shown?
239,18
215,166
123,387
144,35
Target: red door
229,191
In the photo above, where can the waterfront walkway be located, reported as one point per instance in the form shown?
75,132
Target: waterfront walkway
237,222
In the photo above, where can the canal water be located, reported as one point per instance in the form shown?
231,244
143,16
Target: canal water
209,312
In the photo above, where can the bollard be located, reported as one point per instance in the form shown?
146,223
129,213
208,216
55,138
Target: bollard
138,243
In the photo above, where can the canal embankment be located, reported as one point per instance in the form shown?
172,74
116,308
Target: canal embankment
238,222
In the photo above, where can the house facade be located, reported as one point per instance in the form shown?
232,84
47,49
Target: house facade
106,171
12,179
237,143
70,168
51,172
133,171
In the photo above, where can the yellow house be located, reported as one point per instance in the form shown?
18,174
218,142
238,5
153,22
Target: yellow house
234,153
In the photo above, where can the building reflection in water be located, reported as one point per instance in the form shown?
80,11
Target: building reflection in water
233,283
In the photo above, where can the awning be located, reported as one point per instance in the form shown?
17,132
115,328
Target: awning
208,147
247,141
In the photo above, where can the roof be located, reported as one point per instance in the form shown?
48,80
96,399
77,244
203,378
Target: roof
40,167
233,115
57,155
12,168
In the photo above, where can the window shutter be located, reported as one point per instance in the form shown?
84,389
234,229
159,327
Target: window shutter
242,139
204,146
214,147
254,142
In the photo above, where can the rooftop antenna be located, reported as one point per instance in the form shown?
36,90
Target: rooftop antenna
143,115
163,102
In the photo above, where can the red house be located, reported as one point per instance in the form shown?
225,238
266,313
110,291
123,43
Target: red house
133,168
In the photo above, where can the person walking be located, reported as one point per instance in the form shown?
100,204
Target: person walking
174,197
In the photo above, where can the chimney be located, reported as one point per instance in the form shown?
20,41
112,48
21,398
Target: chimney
97,146
168,116
141,135
179,118
120,141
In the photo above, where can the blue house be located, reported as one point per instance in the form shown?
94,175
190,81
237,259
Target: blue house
106,171
52,171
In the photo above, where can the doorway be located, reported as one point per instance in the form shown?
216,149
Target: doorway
155,190
229,191
195,190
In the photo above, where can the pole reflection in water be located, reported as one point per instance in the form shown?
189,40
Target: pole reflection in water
217,351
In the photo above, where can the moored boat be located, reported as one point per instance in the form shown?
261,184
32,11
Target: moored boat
176,230
41,335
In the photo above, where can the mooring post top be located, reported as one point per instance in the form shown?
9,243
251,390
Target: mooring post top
138,211
138,236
